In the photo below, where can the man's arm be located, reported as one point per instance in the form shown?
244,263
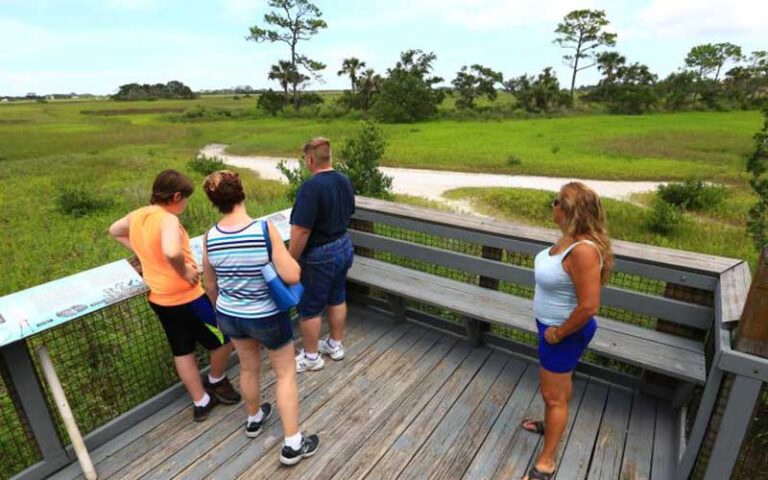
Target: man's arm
299,238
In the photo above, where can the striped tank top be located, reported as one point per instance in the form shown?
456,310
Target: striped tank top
237,258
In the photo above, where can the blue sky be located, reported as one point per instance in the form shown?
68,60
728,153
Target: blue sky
49,46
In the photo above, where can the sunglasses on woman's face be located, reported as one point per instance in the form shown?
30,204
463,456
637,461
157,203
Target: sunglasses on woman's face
555,203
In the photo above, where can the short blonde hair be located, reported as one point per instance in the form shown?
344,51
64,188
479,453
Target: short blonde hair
319,148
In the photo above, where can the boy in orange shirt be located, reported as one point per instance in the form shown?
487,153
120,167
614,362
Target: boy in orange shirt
161,243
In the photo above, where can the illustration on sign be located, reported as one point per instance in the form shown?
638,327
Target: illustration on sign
39,308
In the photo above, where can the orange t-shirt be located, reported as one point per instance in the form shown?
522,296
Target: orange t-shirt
166,287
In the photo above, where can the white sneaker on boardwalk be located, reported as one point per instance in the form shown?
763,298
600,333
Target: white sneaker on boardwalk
326,348
303,363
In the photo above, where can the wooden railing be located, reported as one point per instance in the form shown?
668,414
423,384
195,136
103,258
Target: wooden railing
495,255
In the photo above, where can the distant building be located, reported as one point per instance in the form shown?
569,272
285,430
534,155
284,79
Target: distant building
5,100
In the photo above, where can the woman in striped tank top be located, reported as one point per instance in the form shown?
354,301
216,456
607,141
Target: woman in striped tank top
234,251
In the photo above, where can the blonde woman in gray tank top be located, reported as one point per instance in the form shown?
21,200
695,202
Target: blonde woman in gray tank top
569,276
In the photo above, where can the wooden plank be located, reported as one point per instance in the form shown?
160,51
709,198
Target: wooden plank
132,444
636,464
180,430
690,314
350,426
375,337
452,425
664,457
517,312
113,446
392,463
704,281
522,453
574,463
742,399
506,429
458,457
393,423
609,448
652,255
324,384
733,289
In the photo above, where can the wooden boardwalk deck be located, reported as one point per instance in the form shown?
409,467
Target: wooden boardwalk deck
408,402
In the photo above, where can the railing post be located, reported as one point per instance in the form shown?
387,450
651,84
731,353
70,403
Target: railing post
752,334
738,395
476,328
27,386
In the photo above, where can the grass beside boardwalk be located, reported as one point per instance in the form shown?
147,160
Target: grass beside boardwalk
41,243
625,221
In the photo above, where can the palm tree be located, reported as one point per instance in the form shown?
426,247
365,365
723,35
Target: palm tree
368,84
282,72
350,67
609,63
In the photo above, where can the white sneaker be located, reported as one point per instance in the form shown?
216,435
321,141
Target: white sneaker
303,363
326,348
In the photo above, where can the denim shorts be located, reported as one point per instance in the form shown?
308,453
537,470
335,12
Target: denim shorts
273,332
324,276
564,356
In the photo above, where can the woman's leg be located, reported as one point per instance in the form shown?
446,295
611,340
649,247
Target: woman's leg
284,365
249,351
556,389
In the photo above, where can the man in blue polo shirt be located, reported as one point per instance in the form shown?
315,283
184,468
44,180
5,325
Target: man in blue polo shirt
321,244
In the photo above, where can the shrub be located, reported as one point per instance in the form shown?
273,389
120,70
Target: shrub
664,218
360,162
693,195
757,166
271,102
206,165
295,176
79,200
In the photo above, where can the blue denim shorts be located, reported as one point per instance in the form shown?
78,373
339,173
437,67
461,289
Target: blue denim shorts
324,276
273,332
564,356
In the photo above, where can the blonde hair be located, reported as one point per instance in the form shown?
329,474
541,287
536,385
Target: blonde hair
585,217
319,148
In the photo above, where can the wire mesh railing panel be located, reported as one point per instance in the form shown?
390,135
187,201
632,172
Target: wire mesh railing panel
631,282
18,448
108,362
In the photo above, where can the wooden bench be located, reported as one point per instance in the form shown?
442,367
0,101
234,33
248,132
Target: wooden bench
414,236
664,353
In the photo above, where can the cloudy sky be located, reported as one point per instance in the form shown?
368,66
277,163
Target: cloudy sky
94,46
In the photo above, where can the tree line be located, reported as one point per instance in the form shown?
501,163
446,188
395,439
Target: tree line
146,91
713,76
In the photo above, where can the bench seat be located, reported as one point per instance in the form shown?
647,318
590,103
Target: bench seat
674,356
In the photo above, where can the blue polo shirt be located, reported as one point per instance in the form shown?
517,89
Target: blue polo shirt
324,204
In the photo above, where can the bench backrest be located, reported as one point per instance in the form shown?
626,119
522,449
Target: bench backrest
649,284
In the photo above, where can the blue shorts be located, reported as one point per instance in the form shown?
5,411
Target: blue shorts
324,276
273,332
564,356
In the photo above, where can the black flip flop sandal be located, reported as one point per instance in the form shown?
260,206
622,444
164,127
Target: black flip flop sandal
536,474
538,426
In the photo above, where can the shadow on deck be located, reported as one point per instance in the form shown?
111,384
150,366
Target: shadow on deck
408,402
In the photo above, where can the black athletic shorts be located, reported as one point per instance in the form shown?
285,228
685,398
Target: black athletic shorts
193,322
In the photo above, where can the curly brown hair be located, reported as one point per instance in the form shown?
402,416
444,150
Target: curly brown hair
224,189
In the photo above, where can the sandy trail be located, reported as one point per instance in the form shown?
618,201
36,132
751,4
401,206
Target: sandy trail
432,184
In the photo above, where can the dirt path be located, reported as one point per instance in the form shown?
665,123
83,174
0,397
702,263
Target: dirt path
431,184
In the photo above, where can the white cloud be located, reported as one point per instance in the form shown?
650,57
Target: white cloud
27,39
131,4
717,19
244,10
493,14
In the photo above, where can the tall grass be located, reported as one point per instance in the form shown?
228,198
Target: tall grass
625,221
